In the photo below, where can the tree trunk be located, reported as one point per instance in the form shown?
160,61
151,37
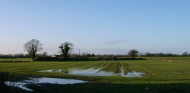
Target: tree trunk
33,57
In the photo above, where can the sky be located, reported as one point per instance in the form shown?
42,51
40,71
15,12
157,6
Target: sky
96,26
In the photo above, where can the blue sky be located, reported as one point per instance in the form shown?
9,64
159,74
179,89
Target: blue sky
96,26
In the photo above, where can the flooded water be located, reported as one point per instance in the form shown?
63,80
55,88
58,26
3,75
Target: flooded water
51,70
91,72
46,70
97,72
131,74
23,84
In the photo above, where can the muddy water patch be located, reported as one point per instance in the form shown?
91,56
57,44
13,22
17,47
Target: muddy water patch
44,80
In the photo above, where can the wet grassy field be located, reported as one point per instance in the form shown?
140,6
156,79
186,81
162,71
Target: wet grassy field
160,74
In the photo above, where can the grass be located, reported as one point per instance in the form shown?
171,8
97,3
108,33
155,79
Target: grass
173,71
155,70
113,88
15,59
125,68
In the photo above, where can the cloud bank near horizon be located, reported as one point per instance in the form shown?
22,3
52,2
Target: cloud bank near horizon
115,42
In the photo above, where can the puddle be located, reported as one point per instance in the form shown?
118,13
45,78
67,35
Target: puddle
51,70
91,72
23,84
97,72
46,70
131,74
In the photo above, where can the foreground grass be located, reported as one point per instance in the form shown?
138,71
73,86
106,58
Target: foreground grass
113,88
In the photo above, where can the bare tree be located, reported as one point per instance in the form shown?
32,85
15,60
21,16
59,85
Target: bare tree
133,53
184,54
32,47
65,49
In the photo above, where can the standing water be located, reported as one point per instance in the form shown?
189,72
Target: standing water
23,84
97,72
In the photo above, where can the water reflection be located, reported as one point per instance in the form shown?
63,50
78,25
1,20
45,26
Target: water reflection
91,72
97,72
23,84
131,74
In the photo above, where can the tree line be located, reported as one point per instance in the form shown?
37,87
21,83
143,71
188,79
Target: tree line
33,46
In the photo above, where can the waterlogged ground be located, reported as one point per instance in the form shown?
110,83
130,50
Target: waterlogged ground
96,72
40,81
171,74
150,70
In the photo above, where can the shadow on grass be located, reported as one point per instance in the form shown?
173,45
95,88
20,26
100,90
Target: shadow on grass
93,87
6,76
113,88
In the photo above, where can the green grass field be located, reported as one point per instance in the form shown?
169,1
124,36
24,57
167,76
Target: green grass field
15,59
171,72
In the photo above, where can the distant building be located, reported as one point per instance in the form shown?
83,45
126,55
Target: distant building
55,55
